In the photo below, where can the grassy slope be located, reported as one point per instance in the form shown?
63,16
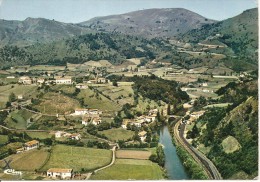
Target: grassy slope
126,169
117,134
63,156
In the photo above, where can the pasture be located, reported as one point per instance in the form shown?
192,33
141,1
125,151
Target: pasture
28,161
40,135
133,154
116,134
3,139
26,90
63,156
122,94
98,101
18,119
53,103
130,169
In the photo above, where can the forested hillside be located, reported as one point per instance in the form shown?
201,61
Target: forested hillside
231,133
114,47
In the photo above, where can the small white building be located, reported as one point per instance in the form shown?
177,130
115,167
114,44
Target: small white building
86,120
60,173
10,77
40,80
81,111
96,120
94,111
26,80
59,134
205,84
142,135
75,136
63,80
31,145
20,97
81,86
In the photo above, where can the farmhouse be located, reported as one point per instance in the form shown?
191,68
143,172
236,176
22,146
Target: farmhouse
60,173
31,145
101,80
126,121
81,111
40,80
142,135
26,80
10,77
59,134
96,120
63,80
81,86
75,136
86,120
20,97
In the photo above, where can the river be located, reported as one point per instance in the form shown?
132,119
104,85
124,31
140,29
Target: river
173,164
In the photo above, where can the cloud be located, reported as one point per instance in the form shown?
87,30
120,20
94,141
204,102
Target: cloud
1,1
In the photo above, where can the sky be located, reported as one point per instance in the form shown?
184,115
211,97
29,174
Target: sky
75,11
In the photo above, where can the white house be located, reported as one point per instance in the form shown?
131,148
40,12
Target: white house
81,111
94,111
205,84
85,120
26,80
96,120
81,86
40,80
75,136
59,134
142,135
63,80
20,97
197,114
31,145
10,77
59,173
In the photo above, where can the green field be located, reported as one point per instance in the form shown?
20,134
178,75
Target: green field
26,90
53,103
63,156
97,101
3,139
17,119
40,135
130,169
122,94
117,134
28,161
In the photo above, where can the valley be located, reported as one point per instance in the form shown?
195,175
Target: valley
122,98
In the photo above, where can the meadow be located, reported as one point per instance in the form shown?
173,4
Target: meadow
28,161
116,134
53,103
77,158
130,169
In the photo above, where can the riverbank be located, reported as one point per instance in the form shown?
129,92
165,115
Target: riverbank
173,165
194,170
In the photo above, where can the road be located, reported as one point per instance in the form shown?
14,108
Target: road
207,165
111,163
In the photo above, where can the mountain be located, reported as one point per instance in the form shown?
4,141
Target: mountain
240,33
33,30
114,47
150,23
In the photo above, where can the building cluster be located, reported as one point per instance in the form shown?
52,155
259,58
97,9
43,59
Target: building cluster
141,120
60,173
26,80
74,136
92,116
29,146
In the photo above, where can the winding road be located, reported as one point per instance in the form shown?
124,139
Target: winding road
207,165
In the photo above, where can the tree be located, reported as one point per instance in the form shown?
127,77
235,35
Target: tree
115,83
12,97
